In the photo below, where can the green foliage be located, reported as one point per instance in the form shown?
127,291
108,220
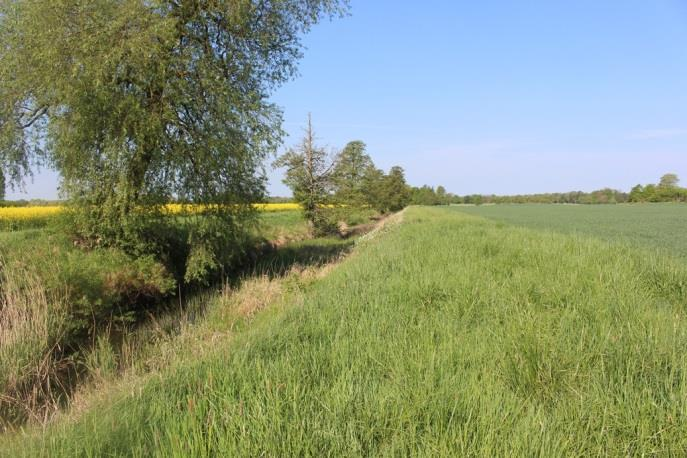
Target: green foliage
666,191
636,194
2,184
213,248
601,196
348,176
373,186
669,180
386,193
396,194
140,103
348,181
426,195
448,335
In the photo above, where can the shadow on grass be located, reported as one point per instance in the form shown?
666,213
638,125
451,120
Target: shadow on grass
276,262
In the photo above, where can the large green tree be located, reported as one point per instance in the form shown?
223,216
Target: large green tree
349,174
140,102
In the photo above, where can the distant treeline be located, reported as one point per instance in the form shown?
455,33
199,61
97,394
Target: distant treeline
30,203
667,190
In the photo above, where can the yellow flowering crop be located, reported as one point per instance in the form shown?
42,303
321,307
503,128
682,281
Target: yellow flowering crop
26,214
277,207
176,209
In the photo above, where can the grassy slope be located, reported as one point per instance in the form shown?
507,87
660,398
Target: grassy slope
449,335
57,292
652,225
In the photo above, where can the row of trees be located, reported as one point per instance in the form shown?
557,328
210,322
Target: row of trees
322,181
601,196
667,190
427,195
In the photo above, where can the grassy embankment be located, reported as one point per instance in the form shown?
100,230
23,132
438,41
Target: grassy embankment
448,335
57,301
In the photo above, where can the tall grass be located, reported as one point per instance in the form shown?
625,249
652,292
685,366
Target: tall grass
446,335
32,322
68,316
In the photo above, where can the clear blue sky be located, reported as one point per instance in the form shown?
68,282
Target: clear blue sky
497,96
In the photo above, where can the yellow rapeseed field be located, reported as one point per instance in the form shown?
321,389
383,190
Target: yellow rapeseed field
19,214
176,209
27,213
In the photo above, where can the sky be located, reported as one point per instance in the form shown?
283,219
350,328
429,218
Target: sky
493,96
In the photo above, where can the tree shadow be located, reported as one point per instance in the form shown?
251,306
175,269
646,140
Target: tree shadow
275,262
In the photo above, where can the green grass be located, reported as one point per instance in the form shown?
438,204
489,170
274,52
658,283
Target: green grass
656,226
286,224
446,335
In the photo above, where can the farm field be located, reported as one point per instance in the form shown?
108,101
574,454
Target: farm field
445,334
655,226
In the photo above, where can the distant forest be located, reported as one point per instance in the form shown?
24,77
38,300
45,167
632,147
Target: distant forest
666,190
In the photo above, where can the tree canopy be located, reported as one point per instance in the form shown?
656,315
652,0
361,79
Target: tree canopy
137,103
669,180
349,173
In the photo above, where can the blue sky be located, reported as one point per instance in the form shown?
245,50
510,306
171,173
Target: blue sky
496,96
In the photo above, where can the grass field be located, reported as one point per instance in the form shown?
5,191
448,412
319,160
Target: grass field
656,226
445,335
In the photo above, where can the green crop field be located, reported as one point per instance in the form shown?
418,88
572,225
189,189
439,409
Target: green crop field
654,226
446,334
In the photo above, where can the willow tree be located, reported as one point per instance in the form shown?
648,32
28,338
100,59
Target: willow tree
140,102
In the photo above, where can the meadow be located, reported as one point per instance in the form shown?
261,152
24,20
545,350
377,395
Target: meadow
442,334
